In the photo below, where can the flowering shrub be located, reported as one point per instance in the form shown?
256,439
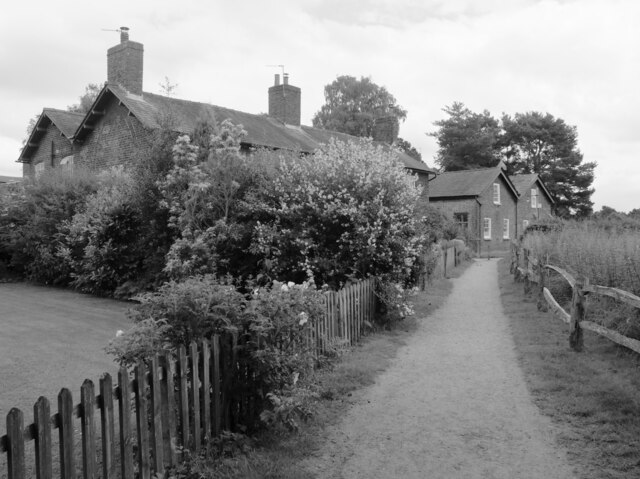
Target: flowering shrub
346,212
141,342
394,301
194,308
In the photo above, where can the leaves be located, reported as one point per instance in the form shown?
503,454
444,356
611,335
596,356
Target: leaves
352,105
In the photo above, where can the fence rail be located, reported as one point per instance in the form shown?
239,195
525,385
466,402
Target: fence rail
142,425
533,271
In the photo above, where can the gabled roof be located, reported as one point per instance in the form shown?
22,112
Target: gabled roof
66,121
525,181
467,183
155,111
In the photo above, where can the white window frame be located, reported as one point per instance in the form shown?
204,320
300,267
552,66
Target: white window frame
496,193
525,225
39,169
534,198
486,228
505,228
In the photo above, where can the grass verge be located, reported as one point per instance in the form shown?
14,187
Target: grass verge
338,384
592,397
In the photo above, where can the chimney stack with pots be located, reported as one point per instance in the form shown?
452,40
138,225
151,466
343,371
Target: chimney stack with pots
284,101
125,63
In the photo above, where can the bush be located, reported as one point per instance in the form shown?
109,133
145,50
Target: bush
101,242
346,212
48,202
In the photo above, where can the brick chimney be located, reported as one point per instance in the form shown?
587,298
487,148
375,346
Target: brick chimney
385,129
124,63
284,101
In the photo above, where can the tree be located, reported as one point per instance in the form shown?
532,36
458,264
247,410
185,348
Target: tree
537,143
467,140
527,143
90,94
408,148
352,105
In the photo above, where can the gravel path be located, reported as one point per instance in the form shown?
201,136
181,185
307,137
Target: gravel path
454,403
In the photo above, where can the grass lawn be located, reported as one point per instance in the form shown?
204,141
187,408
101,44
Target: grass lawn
593,397
52,338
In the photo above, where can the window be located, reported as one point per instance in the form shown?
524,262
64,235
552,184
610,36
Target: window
39,168
505,228
534,197
67,163
486,226
525,224
462,219
496,193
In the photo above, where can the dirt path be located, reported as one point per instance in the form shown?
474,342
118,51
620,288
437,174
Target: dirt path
453,404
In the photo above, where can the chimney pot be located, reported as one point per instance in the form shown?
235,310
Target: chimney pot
124,34
285,78
277,79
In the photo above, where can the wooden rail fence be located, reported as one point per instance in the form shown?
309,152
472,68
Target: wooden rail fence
166,407
531,271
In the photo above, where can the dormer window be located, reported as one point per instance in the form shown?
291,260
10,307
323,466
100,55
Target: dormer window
496,193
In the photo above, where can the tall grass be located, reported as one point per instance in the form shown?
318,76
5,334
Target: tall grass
606,256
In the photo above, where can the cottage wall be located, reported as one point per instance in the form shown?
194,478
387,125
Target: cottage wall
527,213
118,139
498,213
452,206
53,147
478,208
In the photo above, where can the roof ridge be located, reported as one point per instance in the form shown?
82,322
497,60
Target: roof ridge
58,110
470,169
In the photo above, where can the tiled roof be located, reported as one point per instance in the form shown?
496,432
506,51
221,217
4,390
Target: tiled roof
525,181
462,183
66,121
262,130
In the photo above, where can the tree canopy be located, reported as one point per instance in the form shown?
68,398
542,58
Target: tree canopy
352,105
86,100
467,139
529,142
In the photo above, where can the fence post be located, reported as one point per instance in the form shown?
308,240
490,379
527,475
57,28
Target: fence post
42,420
527,283
15,449
542,281
577,314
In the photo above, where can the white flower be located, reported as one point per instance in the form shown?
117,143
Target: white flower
119,333
284,287
304,317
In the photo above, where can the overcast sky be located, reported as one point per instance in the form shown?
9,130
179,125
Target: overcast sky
576,59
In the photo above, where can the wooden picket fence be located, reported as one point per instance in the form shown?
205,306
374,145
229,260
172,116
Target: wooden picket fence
347,313
531,271
164,408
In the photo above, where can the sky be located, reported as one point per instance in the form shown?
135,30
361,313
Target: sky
578,60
